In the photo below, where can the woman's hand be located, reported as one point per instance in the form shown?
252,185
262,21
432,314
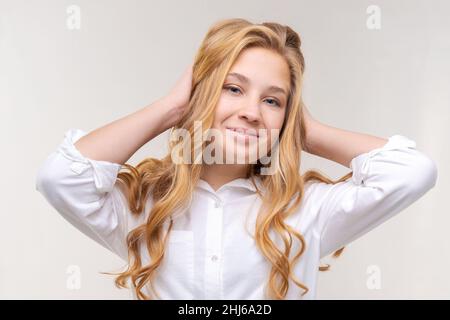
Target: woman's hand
177,100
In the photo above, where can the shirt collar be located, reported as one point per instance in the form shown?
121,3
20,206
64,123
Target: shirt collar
245,183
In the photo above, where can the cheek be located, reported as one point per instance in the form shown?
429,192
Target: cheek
275,120
274,125
223,110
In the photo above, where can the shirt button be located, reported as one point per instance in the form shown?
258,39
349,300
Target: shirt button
214,258
217,204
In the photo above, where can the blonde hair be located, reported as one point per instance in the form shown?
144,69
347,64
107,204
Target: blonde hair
171,185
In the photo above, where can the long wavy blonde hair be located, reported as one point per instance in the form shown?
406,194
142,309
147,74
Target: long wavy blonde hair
171,185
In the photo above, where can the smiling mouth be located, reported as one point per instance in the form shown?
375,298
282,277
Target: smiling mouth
243,132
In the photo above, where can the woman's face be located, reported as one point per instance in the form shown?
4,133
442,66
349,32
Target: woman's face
254,98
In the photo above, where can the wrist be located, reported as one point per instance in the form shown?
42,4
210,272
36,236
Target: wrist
171,112
309,130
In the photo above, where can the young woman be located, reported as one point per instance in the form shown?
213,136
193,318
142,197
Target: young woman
202,230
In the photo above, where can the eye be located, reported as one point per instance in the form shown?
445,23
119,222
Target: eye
230,88
275,102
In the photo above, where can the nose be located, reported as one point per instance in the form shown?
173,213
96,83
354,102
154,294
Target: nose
251,112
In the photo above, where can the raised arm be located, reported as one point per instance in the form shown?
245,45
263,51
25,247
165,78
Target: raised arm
388,175
117,141
336,144
79,178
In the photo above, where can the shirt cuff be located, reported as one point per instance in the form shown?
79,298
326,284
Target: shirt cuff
105,172
361,163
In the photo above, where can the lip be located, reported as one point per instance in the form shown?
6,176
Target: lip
244,131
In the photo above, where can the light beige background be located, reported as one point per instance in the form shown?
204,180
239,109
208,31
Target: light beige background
127,54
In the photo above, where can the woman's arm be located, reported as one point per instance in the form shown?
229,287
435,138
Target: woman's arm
388,175
117,141
79,178
335,144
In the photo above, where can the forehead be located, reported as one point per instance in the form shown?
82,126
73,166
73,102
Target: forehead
261,67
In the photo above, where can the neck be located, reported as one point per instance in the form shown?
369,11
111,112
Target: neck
219,174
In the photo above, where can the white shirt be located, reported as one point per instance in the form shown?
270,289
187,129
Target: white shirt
211,253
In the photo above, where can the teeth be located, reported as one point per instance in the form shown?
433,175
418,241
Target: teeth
242,131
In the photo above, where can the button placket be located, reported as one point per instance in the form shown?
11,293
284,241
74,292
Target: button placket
213,265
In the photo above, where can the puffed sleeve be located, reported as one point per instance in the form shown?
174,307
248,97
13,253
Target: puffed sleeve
385,181
84,192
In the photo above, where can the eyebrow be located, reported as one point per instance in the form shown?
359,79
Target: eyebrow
244,79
